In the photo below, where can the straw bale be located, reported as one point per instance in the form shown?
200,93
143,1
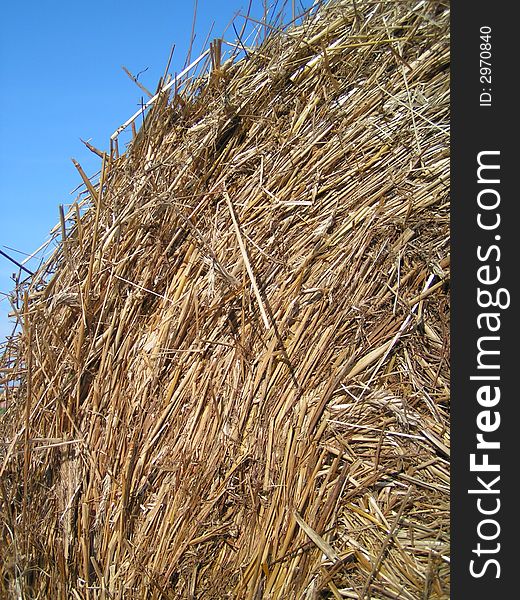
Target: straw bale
232,378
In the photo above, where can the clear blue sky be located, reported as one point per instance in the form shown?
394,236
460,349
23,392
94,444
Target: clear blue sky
61,80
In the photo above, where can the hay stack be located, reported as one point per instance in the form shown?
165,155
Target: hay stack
233,371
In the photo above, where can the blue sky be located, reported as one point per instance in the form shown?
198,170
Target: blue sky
61,80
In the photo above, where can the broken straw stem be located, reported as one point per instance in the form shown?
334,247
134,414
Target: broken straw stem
16,262
247,263
154,98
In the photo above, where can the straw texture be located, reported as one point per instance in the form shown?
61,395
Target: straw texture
232,379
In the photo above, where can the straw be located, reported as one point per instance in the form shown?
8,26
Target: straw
232,376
